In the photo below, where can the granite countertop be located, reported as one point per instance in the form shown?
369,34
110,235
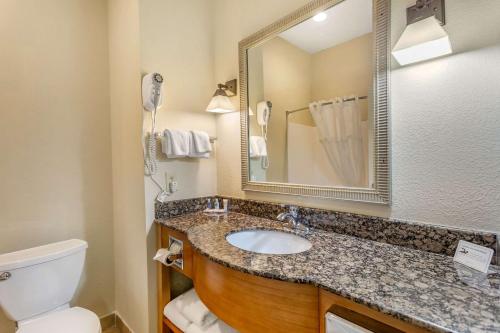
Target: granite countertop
422,288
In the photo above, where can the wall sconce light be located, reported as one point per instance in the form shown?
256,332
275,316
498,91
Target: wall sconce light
423,38
220,102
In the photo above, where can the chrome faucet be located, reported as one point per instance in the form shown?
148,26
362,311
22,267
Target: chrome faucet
292,217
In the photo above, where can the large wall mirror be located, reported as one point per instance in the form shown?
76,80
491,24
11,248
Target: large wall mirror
315,104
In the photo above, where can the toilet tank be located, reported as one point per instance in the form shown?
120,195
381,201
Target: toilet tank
40,279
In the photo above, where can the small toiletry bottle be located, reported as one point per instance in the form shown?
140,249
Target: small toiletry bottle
216,204
225,205
209,203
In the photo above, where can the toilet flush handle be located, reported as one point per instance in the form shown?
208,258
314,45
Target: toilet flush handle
5,276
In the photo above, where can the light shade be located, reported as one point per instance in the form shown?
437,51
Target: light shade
220,104
422,40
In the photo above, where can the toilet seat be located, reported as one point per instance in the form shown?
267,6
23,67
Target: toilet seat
74,320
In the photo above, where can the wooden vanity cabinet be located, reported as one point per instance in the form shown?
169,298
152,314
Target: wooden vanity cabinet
251,303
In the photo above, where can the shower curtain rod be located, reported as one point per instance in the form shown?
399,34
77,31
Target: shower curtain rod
328,103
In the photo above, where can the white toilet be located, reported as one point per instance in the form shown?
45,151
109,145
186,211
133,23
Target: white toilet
37,284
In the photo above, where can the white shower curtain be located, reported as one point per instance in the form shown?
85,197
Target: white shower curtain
341,135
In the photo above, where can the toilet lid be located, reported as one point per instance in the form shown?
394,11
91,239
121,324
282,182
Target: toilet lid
74,320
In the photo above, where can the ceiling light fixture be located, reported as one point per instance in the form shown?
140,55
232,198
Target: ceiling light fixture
320,17
423,38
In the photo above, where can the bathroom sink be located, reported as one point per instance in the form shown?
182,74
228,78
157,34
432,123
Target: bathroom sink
268,242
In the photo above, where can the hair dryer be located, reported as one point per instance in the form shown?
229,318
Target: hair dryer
152,98
152,91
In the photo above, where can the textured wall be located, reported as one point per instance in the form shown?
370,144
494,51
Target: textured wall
444,124
451,152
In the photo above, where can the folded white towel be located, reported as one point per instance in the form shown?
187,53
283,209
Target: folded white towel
218,327
258,147
176,143
201,142
171,311
194,310
193,151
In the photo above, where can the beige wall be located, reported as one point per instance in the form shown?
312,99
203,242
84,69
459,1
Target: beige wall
131,284
344,70
167,42
433,181
55,168
256,95
255,86
176,40
283,65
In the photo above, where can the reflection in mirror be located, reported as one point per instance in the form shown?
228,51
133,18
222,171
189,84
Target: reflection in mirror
310,101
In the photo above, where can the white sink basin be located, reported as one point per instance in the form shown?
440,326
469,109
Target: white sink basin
268,242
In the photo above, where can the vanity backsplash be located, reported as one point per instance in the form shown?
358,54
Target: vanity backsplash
420,236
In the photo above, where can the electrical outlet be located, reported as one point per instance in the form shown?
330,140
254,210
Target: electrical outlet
173,185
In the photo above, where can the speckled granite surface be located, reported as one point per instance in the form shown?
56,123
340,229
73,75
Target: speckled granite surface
419,287
426,237
180,207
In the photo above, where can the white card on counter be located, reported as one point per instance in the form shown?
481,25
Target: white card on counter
474,256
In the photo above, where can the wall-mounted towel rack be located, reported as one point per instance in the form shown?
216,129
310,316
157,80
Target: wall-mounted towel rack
160,134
